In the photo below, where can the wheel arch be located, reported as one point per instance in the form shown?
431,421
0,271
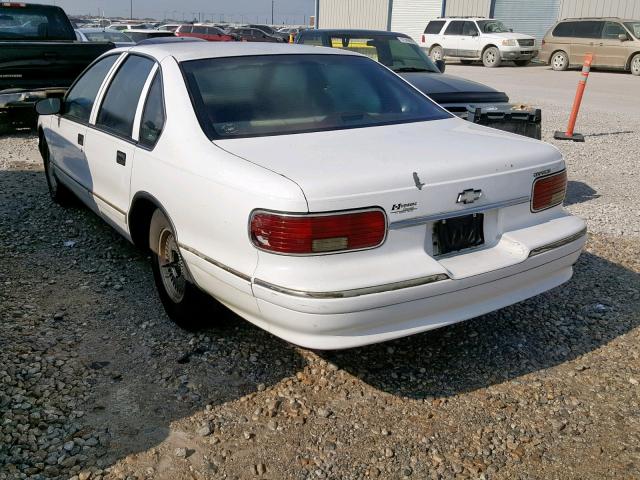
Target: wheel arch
142,207
627,66
487,47
434,46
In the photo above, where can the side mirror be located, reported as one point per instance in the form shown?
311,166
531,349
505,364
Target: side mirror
623,37
49,106
441,65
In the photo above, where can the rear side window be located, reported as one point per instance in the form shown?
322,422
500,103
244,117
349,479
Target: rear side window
185,29
434,27
454,28
121,100
79,101
564,29
153,116
200,30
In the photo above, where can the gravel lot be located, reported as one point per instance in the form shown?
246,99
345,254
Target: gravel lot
95,382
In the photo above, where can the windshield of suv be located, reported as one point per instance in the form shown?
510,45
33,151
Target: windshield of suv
34,23
284,94
492,26
634,27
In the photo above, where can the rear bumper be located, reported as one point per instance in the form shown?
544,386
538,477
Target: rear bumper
345,319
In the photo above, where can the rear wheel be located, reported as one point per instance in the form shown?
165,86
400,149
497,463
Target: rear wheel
635,65
522,63
436,53
491,57
59,193
184,303
560,61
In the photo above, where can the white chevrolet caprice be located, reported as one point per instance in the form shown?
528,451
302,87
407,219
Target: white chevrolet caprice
312,191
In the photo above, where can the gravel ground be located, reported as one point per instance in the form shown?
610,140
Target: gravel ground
95,382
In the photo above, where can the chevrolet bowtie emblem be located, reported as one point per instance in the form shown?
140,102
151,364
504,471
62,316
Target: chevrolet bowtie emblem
469,196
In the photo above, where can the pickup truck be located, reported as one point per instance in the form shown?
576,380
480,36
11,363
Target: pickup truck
39,58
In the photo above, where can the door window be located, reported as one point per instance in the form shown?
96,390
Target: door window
612,30
153,117
588,29
434,27
79,101
119,106
469,29
454,28
200,30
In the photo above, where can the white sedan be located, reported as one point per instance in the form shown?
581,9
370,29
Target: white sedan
312,191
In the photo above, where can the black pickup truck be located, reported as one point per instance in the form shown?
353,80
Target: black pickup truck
39,58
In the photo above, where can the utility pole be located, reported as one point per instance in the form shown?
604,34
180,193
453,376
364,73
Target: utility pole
272,4
131,10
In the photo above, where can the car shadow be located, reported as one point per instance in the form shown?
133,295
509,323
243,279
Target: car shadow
579,192
145,373
529,337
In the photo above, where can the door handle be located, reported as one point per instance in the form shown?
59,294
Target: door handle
121,158
80,139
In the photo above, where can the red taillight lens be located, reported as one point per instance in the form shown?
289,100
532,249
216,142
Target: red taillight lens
549,191
309,234
423,40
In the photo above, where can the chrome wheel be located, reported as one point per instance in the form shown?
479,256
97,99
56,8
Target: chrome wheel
171,266
559,61
436,53
635,65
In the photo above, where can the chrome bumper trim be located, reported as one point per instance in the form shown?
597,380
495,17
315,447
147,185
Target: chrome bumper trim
412,222
356,292
215,262
558,244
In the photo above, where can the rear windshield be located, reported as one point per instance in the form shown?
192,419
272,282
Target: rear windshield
284,94
139,36
34,23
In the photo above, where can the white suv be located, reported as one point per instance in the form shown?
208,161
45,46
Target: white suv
472,39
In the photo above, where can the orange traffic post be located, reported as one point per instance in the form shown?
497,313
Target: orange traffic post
569,134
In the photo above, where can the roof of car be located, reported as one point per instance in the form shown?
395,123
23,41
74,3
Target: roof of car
350,31
199,50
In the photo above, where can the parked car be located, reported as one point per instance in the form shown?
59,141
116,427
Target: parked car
614,42
118,38
39,58
246,34
210,34
138,35
125,26
269,31
470,39
172,27
312,191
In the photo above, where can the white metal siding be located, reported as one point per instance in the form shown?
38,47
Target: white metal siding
468,8
600,8
365,14
411,16
529,17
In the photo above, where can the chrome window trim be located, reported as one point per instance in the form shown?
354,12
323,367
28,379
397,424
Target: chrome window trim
412,222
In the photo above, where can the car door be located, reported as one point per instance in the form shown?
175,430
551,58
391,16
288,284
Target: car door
111,138
66,137
469,43
611,51
452,38
585,34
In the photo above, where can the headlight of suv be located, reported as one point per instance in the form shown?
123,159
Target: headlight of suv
509,43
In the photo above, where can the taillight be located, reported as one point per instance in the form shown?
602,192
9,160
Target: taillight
549,191
543,42
423,40
308,234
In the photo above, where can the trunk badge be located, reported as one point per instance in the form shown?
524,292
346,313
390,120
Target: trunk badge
469,196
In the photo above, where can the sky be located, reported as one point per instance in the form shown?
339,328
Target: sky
249,11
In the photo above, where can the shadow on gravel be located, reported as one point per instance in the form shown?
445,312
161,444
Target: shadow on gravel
579,192
556,327
144,373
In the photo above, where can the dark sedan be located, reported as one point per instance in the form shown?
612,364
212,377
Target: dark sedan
248,34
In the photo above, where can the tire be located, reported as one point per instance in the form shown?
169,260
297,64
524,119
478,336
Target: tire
522,63
635,65
58,192
559,61
184,303
466,62
491,57
436,53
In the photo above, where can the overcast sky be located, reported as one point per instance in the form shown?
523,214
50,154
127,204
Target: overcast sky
289,11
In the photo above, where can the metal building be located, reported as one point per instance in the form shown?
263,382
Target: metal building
533,17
